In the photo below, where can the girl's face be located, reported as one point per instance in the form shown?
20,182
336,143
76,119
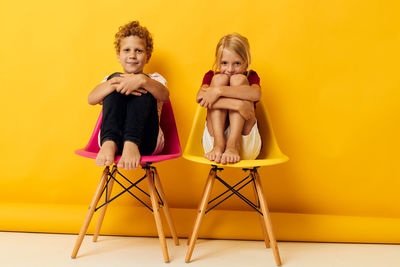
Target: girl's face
231,63
132,54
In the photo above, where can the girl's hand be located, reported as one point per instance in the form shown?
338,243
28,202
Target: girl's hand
129,84
208,96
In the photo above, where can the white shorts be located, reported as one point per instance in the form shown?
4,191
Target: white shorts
250,145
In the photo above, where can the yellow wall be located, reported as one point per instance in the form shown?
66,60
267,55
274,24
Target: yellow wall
329,78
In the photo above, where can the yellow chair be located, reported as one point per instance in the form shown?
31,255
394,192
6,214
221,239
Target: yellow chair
270,155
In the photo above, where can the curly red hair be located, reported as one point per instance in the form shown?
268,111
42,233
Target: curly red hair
133,28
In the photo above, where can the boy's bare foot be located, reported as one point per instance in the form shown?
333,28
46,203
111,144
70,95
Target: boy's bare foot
106,155
130,158
230,155
215,154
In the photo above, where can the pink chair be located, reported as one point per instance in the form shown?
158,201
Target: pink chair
172,149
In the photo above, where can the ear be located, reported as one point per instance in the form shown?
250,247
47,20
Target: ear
118,58
148,58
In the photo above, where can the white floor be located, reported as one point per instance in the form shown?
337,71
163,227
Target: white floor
28,249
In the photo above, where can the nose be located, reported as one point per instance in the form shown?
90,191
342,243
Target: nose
230,68
132,54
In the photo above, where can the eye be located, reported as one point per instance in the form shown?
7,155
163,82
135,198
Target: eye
224,63
139,51
237,63
126,50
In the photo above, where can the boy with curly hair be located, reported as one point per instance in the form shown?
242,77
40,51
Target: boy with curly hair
132,102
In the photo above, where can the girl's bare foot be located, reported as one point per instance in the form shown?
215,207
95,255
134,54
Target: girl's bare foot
106,155
230,155
215,154
130,158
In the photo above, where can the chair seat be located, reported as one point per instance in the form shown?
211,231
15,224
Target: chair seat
240,164
171,150
270,153
144,159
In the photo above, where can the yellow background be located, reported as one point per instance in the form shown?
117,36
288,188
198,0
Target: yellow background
330,81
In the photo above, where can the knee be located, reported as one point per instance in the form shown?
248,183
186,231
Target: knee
113,96
238,79
145,98
220,79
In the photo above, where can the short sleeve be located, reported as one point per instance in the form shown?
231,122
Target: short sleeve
208,78
159,78
253,78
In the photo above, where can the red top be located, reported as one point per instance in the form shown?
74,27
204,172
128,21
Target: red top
251,76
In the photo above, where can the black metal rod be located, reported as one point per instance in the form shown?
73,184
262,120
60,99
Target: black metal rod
133,195
228,190
251,204
134,184
160,202
226,198
106,202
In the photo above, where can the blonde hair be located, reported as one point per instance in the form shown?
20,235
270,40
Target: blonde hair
235,43
134,28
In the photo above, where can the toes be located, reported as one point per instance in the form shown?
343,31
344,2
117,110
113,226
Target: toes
218,158
99,162
120,164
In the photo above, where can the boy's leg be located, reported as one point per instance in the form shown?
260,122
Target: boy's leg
140,131
216,120
111,135
238,127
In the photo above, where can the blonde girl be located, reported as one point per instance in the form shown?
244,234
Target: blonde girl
229,92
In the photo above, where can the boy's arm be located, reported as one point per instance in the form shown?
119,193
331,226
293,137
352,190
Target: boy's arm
138,84
97,95
157,89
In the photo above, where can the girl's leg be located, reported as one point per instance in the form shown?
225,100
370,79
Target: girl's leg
111,135
140,130
238,127
216,120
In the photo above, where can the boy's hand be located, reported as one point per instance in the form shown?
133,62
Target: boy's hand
129,84
208,96
246,110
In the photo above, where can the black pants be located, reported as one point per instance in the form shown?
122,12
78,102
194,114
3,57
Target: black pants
130,118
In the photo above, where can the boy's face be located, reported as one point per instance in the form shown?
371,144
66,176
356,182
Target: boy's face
132,54
231,63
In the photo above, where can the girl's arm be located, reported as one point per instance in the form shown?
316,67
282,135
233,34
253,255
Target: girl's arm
207,95
244,107
244,92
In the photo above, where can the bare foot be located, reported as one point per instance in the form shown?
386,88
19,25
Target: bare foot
106,155
215,154
130,157
230,155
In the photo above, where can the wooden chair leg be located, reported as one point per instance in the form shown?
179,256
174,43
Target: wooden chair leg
263,227
104,208
165,207
90,213
157,216
267,218
203,206
198,211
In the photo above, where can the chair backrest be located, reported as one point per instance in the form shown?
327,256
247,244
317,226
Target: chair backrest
270,153
172,147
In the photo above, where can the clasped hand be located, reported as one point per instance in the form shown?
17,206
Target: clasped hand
129,84
207,97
